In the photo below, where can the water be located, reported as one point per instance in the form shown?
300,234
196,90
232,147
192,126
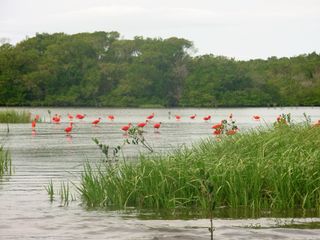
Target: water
48,154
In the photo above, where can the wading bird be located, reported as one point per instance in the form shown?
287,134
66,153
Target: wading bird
207,118
111,117
69,129
142,124
70,117
126,127
56,118
156,126
193,116
80,116
95,122
150,116
256,117
33,124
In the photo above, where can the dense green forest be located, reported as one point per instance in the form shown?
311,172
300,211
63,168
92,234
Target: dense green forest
102,69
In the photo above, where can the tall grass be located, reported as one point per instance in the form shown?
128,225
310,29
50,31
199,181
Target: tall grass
5,162
13,116
261,169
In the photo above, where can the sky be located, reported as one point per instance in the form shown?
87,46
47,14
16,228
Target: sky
240,29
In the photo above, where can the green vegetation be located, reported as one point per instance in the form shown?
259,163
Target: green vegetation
12,116
274,169
50,190
5,162
101,69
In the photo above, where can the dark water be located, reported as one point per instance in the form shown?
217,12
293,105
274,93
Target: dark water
49,154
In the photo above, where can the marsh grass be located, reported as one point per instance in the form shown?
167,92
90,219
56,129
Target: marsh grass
5,162
13,116
50,190
261,169
66,196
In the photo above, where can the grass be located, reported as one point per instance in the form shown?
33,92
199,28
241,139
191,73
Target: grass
5,162
50,190
13,116
261,169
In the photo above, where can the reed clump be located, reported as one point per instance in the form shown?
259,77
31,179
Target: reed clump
13,116
5,162
261,169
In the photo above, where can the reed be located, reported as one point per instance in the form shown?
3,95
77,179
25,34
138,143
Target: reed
50,190
13,116
261,169
65,194
5,162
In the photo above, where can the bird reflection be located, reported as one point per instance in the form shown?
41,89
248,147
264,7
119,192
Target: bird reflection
33,133
69,138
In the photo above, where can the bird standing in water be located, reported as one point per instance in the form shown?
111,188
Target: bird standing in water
69,129
156,126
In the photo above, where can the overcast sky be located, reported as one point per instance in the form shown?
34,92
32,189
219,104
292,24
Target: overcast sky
243,29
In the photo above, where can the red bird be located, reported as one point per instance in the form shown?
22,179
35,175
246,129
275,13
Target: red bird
70,116
111,117
256,117
126,127
95,122
68,129
34,123
207,118
231,132
217,132
56,118
142,124
217,126
80,116
157,126
178,117
150,116
193,116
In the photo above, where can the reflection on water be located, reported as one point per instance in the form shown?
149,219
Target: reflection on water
48,153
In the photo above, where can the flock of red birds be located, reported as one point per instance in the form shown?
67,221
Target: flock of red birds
56,119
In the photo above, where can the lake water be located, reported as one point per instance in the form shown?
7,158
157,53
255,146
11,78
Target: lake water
49,154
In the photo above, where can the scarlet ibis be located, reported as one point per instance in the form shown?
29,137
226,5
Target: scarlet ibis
111,117
150,116
68,129
126,127
207,118
217,132
178,117
193,116
231,132
256,117
70,116
33,123
37,117
217,126
80,116
142,124
95,122
56,118
157,126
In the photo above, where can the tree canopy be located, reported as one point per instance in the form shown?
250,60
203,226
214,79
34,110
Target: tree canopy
101,69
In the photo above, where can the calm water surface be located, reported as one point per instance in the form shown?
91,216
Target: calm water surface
48,154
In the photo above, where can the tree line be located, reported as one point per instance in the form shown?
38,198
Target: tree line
102,69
